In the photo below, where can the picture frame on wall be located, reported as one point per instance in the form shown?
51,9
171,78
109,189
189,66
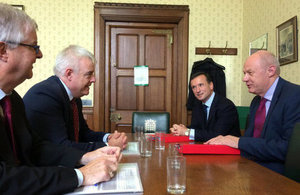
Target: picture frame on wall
287,41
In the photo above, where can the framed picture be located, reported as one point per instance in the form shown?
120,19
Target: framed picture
260,43
287,41
20,7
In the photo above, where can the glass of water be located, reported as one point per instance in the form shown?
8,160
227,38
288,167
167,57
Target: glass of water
146,145
176,174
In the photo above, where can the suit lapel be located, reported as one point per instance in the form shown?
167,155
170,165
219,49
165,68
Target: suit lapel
274,101
68,108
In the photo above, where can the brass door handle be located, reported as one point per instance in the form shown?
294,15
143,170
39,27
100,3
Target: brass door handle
115,117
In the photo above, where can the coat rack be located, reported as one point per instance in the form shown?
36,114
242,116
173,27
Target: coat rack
216,51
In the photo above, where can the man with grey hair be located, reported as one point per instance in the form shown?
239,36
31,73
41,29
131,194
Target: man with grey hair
274,111
51,114
30,165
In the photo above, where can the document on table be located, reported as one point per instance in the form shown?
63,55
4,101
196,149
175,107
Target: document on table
127,180
132,148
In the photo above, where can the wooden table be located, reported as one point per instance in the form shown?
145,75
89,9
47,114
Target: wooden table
212,174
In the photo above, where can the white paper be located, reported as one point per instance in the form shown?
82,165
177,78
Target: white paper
141,75
132,148
127,180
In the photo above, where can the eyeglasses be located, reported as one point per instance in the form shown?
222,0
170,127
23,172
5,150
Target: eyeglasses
35,47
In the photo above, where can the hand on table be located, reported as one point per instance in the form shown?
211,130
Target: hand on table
227,140
99,170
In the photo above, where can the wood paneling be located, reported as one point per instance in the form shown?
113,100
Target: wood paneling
88,116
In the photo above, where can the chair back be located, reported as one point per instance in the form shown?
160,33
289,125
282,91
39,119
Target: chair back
151,121
292,161
243,112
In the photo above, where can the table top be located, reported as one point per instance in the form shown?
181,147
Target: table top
212,174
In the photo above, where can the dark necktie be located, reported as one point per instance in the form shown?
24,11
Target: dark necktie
75,119
6,106
260,117
205,111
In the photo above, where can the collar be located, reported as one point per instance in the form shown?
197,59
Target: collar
271,90
210,100
2,94
67,90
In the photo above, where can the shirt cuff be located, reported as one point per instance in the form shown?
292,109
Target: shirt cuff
79,177
192,134
105,138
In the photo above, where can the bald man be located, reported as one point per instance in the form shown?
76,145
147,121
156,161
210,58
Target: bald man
274,112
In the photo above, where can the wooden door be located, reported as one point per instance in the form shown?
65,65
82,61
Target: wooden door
133,45
142,25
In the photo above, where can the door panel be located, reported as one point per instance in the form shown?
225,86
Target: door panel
139,45
155,95
126,100
126,57
155,51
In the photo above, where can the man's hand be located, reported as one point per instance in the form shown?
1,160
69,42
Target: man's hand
101,152
117,139
178,129
227,140
98,170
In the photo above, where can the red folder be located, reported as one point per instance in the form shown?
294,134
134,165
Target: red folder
208,149
172,138
169,138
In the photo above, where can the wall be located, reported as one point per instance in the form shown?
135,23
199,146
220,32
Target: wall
260,17
64,22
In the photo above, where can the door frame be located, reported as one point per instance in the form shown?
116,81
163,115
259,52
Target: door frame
127,12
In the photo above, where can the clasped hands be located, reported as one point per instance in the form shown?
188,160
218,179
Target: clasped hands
100,164
117,139
178,130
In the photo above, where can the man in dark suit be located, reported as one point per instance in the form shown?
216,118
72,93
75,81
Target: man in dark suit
49,108
212,114
29,165
273,113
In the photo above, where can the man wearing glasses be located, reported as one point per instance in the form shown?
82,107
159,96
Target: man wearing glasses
28,164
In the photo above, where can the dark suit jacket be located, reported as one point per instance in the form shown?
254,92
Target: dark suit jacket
37,172
223,119
270,150
50,114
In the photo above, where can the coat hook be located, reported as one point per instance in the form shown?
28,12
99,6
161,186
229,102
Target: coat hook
208,49
225,49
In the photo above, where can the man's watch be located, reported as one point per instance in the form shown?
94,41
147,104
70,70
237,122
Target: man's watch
187,132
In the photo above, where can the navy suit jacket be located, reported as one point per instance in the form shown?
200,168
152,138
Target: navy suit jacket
270,149
223,119
50,114
38,171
